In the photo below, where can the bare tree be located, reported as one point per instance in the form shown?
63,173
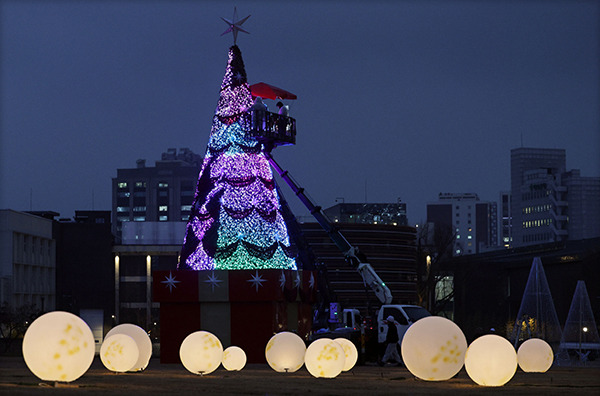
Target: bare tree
435,243
14,323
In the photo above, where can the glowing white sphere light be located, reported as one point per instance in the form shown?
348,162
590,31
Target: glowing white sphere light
324,358
234,358
285,352
58,346
535,356
350,352
119,353
433,348
142,340
201,352
491,360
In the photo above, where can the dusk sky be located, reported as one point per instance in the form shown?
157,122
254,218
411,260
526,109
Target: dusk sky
396,99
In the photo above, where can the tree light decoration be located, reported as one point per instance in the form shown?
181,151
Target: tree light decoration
201,352
234,358
324,358
491,360
236,220
58,346
350,352
433,348
141,339
285,352
119,353
535,356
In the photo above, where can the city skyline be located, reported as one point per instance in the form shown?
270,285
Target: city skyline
395,100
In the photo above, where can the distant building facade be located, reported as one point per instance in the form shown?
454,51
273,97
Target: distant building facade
474,222
27,260
368,213
550,204
391,250
164,192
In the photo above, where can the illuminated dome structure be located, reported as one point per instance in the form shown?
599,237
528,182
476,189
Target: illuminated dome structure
236,220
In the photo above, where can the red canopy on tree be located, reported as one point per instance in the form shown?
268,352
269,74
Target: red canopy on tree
268,91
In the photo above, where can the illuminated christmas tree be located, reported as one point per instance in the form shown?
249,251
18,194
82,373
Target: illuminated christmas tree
236,220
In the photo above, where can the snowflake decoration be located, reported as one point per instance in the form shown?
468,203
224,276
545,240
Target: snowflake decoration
170,282
257,280
213,280
282,280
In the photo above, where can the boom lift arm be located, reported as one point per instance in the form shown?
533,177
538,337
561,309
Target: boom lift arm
351,254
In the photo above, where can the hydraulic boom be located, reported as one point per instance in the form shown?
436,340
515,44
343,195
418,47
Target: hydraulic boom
351,254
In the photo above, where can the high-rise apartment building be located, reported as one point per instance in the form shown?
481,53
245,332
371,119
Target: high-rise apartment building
473,222
164,192
550,204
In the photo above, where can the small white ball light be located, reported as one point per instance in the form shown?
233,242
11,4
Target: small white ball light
119,353
491,360
285,352
535,356
201,352
350,351
142,340
58,346
324,358
234,358
433,349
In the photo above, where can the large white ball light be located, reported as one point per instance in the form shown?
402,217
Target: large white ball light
201,352
433,348
142,340
119,353
234,358
350,352
324,358
58,346
285,352
491,360
535,356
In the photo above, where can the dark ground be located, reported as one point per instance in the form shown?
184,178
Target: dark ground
160,379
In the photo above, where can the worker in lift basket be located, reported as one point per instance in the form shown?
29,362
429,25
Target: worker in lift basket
391,339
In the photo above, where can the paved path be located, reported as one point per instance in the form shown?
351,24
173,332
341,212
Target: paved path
162,379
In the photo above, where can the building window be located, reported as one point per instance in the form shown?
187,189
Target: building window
140,184
122,184
139,208
139,218
163,185
163,208
122,209
186,208
163,218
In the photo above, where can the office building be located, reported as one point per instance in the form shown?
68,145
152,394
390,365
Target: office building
27,260
164,192
473,222
548,203
368,213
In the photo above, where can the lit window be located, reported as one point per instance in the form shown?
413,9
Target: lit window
122,185
139,218
470,237
163,208
122,209
140,184
163,185
139,208
457,236
186,208
163,218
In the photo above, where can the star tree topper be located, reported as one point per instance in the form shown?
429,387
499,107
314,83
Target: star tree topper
235,25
